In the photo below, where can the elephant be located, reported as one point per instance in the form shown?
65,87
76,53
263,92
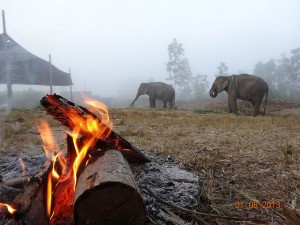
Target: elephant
245,87
157,91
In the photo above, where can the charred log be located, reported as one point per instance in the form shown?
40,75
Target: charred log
30,203
63,110
17,183
106,193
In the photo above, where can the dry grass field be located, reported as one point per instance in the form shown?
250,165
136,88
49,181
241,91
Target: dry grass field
248,166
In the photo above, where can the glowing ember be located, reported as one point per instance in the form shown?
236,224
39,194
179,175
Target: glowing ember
10,209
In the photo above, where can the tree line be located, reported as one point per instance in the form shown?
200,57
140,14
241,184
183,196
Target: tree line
282,75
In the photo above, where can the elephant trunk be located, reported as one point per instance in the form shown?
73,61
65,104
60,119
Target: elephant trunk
134,100
213,93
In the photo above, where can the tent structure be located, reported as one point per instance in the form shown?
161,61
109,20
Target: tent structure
19,66
27,68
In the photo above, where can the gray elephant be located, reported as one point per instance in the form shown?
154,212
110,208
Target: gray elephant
157,90
245,87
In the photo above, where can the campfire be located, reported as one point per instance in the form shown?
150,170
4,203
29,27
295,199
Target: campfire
92,183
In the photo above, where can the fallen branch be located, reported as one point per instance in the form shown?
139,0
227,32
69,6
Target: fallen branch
191,212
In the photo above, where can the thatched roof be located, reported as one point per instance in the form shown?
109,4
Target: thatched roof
27,68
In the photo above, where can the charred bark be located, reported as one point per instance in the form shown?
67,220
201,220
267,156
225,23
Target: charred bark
31,202
63,110
106,193
17,183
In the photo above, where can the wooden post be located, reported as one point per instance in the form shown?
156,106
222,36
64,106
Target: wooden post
70,85
51,81
3,21
8,77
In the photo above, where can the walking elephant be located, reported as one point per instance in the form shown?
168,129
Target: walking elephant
157,90
245,87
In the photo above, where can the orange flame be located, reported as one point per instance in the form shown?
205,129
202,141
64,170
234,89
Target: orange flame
52,152
24,169
47,137
49,195
23,166
10,209
98,129
94,128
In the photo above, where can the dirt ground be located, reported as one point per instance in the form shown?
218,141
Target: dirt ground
248,166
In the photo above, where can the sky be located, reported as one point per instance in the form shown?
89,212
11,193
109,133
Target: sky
112,46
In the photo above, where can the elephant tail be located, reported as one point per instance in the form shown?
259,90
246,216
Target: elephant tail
267,90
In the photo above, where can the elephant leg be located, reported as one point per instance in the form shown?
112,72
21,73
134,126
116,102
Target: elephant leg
232,107
172,104
165,104
256,107
229,110
152,102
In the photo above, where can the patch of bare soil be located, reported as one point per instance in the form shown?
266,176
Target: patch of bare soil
248,167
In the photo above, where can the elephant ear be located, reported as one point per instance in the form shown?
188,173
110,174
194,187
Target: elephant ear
225,84
144,88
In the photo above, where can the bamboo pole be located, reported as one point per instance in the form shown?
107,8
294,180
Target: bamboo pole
8,76
70,85
51,75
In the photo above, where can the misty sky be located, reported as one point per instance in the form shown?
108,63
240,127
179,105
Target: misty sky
112,46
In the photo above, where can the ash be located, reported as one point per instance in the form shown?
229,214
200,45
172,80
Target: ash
170,182
11,167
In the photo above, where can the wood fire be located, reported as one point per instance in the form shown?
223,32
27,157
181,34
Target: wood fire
92,183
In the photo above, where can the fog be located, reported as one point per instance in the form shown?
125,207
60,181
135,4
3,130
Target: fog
112,46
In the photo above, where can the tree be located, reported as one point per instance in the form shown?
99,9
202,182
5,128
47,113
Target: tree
222,70
200,85
178,66
293,69
282,76
281,80
267,71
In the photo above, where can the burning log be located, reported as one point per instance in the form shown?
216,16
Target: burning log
64,111
19,182
106,193
93,183
30,204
